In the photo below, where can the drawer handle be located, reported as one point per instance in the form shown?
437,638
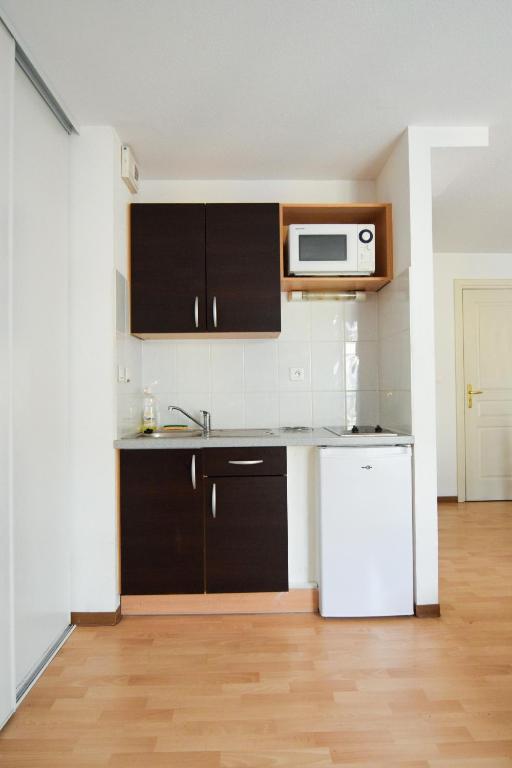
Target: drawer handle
214,501
193,471
251,461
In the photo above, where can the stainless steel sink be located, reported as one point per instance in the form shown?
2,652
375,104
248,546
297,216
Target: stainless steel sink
244,433
164,435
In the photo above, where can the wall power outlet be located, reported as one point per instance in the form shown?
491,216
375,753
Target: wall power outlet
296,374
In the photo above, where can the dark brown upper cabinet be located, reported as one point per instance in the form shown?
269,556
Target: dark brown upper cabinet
168,273
162,522
242,267
199,269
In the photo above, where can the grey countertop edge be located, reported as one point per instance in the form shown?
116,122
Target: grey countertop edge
316,438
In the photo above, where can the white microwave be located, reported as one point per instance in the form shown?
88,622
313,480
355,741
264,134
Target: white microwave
331,249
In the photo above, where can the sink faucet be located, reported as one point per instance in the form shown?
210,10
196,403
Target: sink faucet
205,426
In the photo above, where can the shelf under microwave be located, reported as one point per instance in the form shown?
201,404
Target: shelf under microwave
306,273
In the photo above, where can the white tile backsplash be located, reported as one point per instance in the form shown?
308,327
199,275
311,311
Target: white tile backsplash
247,382
361,320
327,320
361,365
394,306
295,320
260,366
193,372
328,408
395,409
227,360
129,391
327,366
295,409
159,366
261,409
395,354
228,410
362,408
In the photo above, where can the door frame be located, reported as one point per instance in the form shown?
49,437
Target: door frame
459,286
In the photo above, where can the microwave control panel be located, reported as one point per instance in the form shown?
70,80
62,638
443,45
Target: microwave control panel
366,249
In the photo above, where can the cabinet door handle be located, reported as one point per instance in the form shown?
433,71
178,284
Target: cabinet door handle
193,471
214,501
196,311
251,461
214,311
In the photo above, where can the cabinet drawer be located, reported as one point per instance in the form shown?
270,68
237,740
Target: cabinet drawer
227,462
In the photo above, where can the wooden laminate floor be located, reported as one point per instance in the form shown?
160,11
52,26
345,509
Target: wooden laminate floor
293,690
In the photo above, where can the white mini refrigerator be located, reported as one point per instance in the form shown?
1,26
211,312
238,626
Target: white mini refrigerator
366,539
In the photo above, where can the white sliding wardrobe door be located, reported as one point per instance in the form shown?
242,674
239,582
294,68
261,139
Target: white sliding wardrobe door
7,687
40,378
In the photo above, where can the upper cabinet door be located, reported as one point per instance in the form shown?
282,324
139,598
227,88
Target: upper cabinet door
167,268
242,267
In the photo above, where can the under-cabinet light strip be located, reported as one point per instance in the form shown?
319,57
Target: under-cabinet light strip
327,296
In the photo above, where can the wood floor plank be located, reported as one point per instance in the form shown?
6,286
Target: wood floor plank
292,690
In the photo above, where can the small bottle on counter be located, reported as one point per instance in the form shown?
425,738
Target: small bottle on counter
149,415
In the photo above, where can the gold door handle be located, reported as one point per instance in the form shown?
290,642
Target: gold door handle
471,392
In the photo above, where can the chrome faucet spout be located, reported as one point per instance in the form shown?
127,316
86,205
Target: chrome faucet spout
205,426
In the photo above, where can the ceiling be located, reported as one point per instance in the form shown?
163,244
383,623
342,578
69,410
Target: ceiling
292,89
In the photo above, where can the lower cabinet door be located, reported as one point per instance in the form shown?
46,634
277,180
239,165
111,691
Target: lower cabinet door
246,534
162,531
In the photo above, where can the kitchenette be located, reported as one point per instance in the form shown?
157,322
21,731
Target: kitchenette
272,345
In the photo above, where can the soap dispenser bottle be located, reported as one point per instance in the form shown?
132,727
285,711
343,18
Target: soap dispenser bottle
148,412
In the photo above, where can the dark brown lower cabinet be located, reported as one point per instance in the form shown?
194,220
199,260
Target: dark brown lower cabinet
183,532
246,546
162,530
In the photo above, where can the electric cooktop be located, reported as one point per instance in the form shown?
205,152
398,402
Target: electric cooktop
360,430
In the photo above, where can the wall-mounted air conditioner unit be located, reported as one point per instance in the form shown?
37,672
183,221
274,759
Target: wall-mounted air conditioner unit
129,169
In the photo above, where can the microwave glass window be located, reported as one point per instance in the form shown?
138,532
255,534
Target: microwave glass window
322,247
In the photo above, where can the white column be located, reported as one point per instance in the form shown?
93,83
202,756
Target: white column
99,216
406,182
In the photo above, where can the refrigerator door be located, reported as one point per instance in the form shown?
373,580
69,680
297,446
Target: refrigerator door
366,544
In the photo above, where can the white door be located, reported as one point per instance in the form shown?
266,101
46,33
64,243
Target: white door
40,379
7,685
488,393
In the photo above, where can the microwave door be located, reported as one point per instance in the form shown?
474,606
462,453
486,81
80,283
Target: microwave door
326,253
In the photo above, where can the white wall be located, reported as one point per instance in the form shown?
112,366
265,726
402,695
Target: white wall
7,681
447,268
254,191
98,239
40,404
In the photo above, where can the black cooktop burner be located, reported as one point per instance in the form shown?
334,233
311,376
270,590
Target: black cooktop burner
361,430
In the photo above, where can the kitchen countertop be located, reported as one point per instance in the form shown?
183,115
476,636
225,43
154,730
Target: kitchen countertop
277,437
